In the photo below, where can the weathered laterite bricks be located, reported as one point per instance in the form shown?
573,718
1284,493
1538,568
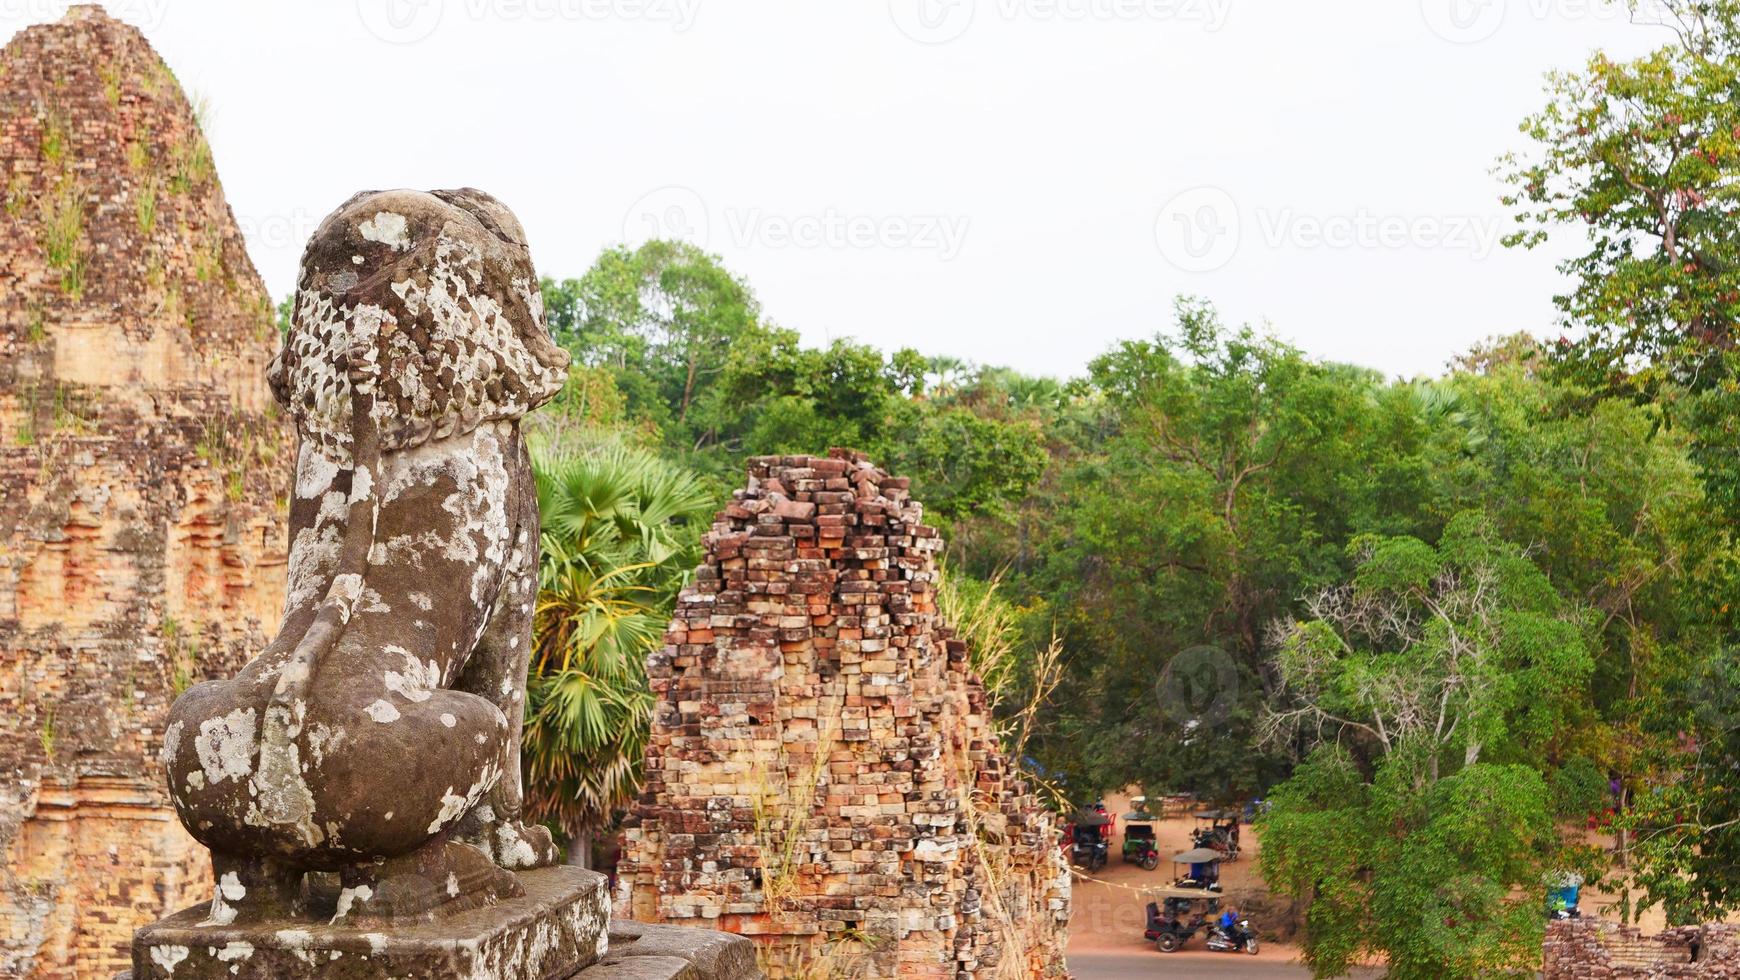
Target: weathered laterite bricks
141,482
1587,949
822,774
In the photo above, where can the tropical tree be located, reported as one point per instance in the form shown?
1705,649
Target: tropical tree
1642,158
1443,672
1642,155
620,529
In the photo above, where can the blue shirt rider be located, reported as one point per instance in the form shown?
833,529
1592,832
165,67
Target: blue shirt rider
1228,919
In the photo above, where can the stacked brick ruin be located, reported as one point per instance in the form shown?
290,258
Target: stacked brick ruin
1590,949
822,773
141,546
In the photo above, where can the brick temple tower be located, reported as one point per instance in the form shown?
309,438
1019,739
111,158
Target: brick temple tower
141,481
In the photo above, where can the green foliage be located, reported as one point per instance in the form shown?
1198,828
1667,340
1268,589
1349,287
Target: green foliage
1641,155
145,206
1465,646
1490,585
1431,663
1215,474
967,464
190,163
1442,878
668,342
47,735
620,529
61,233
1687,848
1579,789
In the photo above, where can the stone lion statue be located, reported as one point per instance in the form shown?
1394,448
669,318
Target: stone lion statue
377,738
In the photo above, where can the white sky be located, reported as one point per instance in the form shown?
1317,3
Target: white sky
998,180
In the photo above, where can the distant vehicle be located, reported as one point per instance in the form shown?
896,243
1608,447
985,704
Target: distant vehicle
1202,869
1088,847
1180,914
1563,892
1217,830
1140,846
1238,937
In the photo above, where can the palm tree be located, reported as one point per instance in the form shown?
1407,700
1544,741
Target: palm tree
620,533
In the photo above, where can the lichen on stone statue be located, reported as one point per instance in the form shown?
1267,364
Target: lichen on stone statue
377,739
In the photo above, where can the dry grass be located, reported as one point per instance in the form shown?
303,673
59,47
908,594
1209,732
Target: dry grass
848,957
1018,687
61,232
783,808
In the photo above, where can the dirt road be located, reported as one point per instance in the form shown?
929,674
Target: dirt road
1227,966
1105,930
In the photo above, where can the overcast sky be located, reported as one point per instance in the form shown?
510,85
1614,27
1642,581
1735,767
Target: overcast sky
1018,182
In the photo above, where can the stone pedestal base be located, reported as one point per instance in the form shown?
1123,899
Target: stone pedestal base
555,930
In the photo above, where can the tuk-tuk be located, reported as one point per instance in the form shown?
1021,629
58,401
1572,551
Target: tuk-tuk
1202,869
1219,831
1087,847
1563,891
1140,845
1179,914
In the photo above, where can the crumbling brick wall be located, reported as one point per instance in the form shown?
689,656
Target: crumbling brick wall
141,481
822,774
1585,949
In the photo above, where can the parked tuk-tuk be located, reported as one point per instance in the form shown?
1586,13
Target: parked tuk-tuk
1140,845
1219,831
1088,846
1202,869
1563,891
1179,914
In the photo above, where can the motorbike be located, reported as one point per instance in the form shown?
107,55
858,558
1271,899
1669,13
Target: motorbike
1087,848
1240,938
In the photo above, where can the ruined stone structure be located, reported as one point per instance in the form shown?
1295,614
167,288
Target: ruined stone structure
142,480
1590,949
822,775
